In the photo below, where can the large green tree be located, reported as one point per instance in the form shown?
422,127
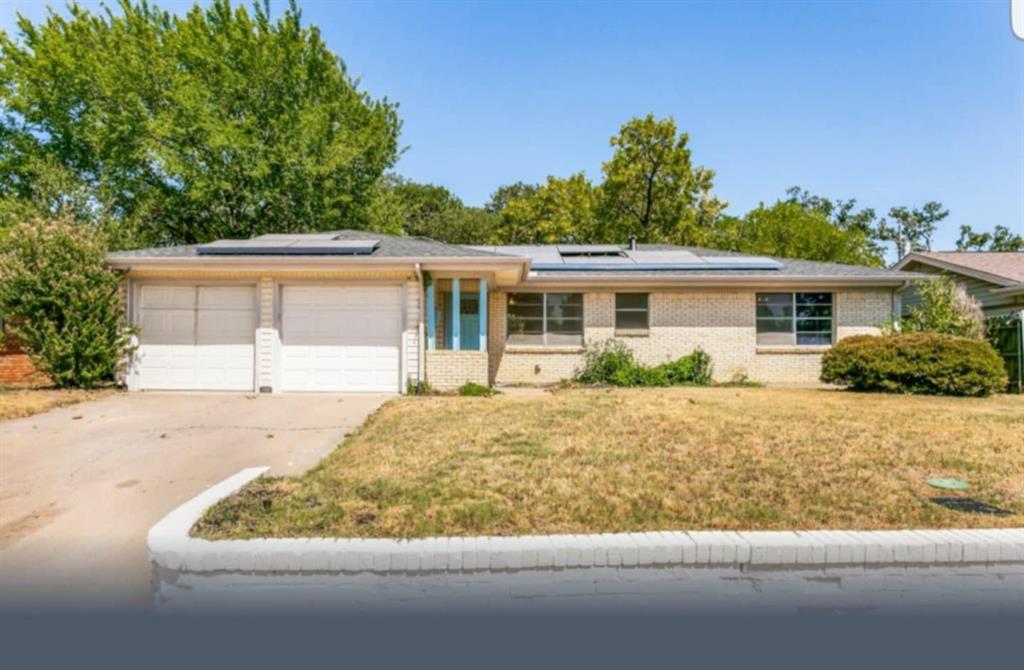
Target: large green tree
793,230
560,210
651,187
1000,239
911,229
178,129
404,207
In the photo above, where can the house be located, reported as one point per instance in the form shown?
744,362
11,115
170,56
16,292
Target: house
15,366
996,280
358,311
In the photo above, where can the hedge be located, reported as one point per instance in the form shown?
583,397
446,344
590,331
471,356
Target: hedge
925,363
612,362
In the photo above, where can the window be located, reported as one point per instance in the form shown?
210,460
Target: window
545,318
794,318
631,311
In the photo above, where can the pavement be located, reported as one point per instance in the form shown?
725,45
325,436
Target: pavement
80,486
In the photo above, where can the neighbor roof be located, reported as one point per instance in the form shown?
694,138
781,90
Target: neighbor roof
1001,267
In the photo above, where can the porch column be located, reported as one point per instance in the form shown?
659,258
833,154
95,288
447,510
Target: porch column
431,315
483,314
456,314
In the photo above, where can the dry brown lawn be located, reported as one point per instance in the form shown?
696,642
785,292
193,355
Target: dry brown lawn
19,402
583,461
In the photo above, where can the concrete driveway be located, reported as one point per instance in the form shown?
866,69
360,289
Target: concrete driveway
80,486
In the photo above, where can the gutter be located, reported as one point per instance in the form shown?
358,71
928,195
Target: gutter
743,281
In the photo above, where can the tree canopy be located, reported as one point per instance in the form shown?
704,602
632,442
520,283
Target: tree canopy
178,129
1000,239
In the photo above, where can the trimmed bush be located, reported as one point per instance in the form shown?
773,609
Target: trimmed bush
926,363
61,301
611,362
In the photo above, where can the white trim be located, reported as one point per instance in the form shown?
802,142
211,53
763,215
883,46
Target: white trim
170,547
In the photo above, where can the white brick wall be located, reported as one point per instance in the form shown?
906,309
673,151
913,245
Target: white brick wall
784,570
448,370
720,321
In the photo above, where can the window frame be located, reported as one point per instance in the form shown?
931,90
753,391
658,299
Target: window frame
645,310
545,333
794,319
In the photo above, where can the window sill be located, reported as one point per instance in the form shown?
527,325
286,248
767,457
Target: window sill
793,349
543,349
632,332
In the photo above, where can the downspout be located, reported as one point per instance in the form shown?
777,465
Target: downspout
421,344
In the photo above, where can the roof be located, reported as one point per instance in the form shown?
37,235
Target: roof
549,263
712,263
998,267
390,246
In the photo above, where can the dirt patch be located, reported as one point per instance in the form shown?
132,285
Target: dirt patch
21,527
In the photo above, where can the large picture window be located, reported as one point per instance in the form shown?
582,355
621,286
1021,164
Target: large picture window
545,318
794,318
631,311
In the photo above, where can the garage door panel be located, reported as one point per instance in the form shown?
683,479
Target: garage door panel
341,338
167,327
169,297
196,337
226,327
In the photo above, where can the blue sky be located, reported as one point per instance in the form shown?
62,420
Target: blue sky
890,103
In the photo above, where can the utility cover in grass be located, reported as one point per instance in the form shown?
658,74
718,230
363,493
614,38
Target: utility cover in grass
948,483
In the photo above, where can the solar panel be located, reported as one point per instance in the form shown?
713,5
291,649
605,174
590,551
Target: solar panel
588,250
289,246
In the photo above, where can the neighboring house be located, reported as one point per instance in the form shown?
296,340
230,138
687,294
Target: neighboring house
15,366
996,280
360,311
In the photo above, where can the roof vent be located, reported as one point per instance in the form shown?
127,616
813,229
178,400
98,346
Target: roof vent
632,242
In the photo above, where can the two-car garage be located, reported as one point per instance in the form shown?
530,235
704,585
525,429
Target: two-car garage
333,337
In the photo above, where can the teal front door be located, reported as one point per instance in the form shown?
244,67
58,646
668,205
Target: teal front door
469,322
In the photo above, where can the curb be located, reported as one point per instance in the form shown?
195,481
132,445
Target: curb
170,547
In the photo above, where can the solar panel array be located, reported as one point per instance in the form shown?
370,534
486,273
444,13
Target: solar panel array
575,257
290,245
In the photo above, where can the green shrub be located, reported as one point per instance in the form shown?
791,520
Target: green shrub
944,308
474,389
927,363
61,300
612,362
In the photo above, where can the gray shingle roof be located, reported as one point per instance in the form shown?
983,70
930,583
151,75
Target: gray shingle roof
417,247
791,267
391,246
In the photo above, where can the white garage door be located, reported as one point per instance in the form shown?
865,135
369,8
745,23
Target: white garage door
196,337
341,338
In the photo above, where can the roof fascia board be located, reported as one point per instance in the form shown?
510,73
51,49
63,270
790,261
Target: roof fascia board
319,262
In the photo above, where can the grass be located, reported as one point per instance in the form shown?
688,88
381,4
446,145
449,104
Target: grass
613,460
16,402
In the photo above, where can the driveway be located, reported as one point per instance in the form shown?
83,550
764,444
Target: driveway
80,486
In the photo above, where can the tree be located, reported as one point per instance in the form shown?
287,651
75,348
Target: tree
1000,239
911,229
651,188
560,210
181,129
61,300
404,207
945,308
793,230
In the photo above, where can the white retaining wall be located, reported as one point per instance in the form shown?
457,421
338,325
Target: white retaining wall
832,570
